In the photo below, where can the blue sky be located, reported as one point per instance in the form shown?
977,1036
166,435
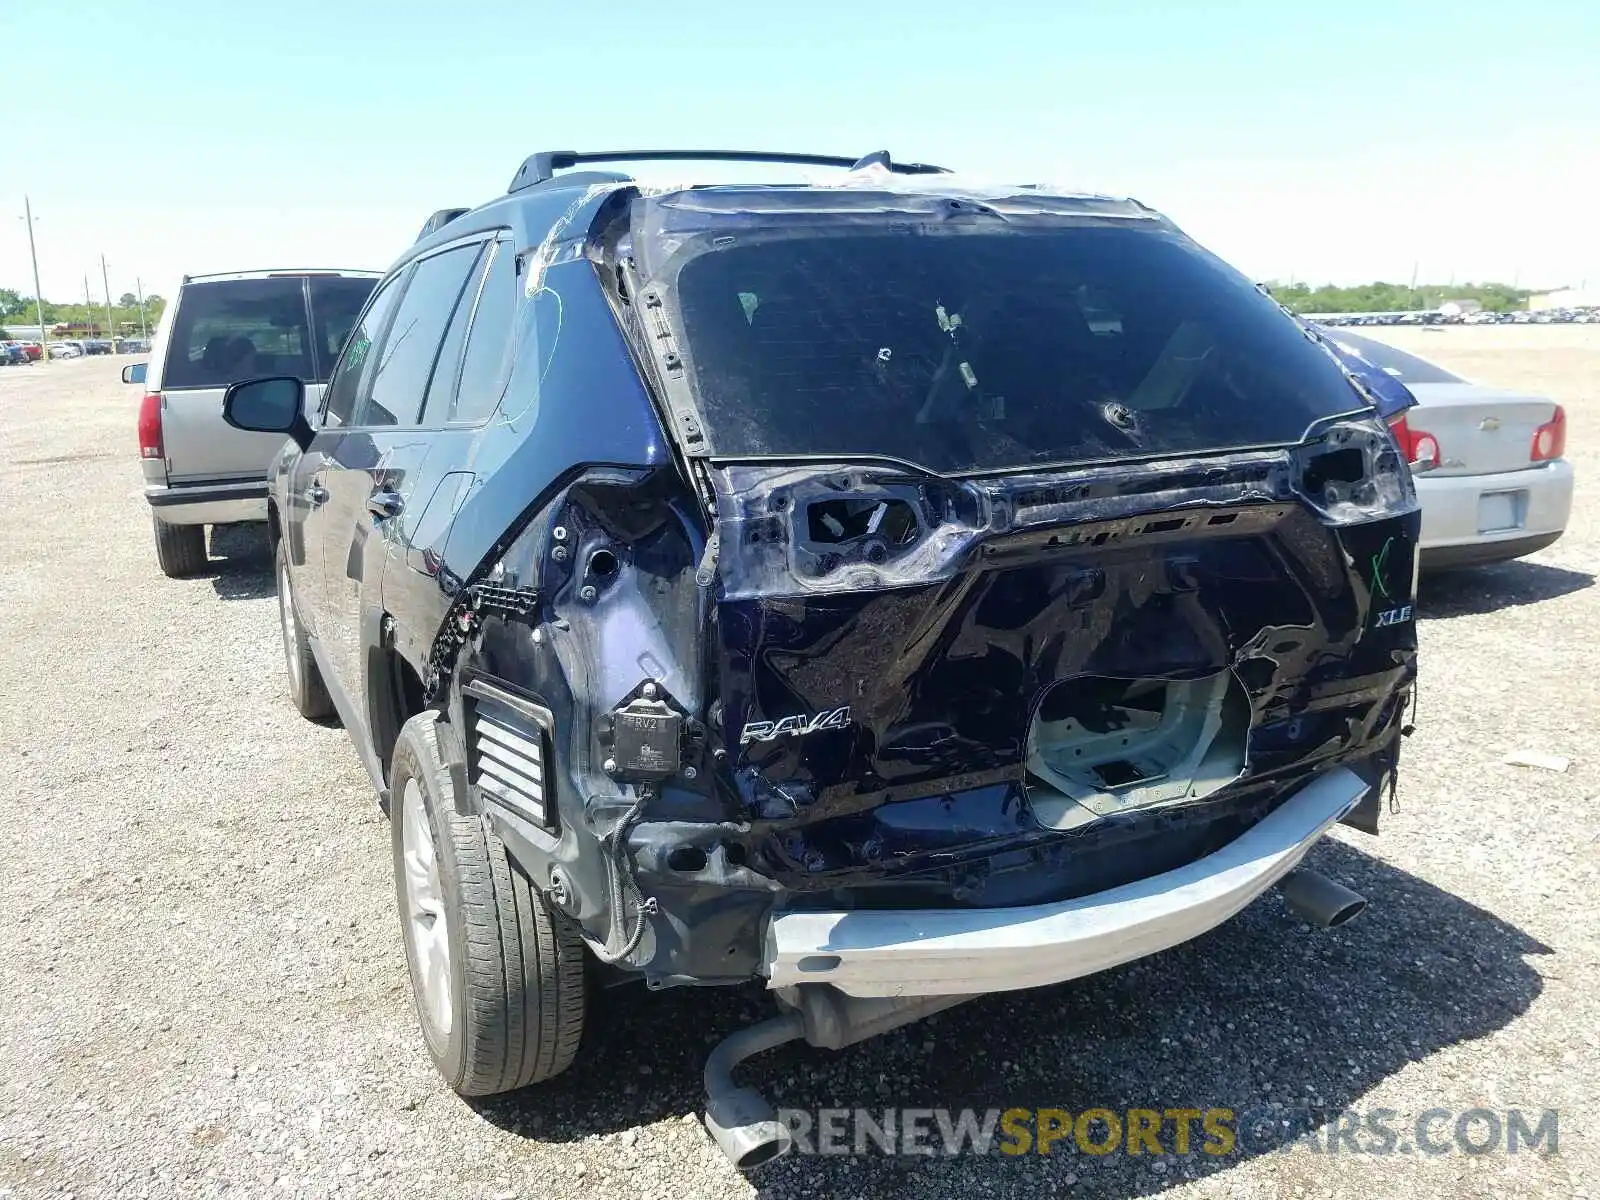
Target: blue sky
1328,142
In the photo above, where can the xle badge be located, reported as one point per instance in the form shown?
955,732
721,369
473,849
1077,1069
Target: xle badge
796,726
1398,615
1393,616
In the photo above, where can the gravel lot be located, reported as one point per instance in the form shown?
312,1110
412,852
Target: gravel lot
206,990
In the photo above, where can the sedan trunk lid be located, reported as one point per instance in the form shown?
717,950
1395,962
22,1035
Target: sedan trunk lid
1480,430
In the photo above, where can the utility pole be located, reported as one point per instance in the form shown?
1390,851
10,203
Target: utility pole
38,296
106,283
144,329
88,304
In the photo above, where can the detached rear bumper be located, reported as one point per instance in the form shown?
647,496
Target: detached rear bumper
970,951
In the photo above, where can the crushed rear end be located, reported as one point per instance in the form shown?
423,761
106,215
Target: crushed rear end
1030,595
1020,589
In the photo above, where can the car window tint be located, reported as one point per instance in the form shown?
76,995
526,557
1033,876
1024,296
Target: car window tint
336,302
235,329
487,361
340,399
405,361
442,387
970,349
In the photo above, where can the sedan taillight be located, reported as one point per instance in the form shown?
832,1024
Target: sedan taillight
1550,439
1420,448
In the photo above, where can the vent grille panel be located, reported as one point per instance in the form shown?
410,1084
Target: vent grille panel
506,759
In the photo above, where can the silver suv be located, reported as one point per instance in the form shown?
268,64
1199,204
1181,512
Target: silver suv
221,329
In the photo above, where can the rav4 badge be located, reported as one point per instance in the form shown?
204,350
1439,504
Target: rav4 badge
796,726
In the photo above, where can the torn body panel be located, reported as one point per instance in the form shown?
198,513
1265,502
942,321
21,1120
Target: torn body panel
1157,575
864,729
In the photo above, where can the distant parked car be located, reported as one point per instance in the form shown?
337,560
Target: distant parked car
33,350
1488,462
97,346
66,350
221,329
13,355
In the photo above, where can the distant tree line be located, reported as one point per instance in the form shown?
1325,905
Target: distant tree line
20,309
1395,297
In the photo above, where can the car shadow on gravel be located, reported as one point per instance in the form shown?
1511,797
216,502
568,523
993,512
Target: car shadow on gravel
241,562
1475,591
1265,1016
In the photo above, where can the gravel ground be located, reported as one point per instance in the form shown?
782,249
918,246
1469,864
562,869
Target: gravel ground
206,990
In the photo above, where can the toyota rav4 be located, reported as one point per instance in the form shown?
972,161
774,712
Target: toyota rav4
886,587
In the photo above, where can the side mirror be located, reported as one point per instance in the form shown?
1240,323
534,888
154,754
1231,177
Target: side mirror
134,372
272,405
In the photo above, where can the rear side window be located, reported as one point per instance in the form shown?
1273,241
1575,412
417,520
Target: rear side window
486,365
336,302
442,387
236,329
964,349
339,401
410,348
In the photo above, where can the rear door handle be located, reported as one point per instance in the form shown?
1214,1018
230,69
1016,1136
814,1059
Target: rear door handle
316,494
385,504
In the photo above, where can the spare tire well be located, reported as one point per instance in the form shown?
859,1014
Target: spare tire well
1101,745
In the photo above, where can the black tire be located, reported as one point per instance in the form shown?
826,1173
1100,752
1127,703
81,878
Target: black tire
307,692
180,549
515,966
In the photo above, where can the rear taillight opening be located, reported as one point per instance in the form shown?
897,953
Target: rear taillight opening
150,426
1420,448
1550,439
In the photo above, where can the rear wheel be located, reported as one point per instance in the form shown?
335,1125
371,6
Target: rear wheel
497,975
180,549
306,689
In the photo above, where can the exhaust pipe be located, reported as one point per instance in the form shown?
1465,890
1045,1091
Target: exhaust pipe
1315,898
744,1126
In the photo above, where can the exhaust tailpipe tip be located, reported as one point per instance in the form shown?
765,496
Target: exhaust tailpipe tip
742,1123
746,1128
1321,901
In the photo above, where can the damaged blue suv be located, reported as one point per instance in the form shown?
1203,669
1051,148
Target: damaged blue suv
889,588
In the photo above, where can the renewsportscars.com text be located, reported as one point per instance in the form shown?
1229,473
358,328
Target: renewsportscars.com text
1215,1132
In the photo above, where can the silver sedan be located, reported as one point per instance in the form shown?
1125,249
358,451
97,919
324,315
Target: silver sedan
1489,463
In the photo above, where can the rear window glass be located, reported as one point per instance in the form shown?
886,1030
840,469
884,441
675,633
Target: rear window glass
969,350
336,302
234,329
1407,368
237,329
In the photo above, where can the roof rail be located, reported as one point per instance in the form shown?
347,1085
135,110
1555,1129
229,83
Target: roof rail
439,220
540,168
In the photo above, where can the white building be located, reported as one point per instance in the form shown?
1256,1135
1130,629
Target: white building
1566,298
